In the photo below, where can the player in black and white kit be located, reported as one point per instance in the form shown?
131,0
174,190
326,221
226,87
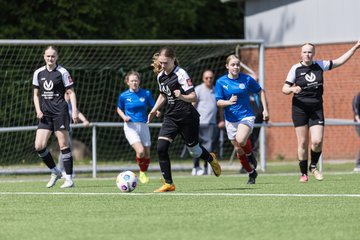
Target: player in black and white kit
305,80
180,116
51,82
356,110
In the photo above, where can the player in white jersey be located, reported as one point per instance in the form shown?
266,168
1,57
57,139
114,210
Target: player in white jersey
50,84
305,81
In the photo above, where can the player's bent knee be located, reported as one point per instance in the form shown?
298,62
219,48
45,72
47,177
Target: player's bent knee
39,147
140,154
195,151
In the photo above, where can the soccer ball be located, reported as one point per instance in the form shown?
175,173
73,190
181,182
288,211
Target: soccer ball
126,181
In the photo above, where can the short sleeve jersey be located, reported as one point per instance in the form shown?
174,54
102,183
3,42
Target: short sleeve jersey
310,79
241,87
134,104
206,104
178,79
52,86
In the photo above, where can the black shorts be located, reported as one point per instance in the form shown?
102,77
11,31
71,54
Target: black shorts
188,129
307,114
55,123
357,128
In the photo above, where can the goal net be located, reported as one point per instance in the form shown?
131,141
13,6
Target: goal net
98,69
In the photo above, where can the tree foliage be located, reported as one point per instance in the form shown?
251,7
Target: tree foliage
119,19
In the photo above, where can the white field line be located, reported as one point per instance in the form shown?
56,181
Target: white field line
180,176
183,194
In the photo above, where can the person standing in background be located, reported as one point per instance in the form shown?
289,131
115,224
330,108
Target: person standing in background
356,110
209,128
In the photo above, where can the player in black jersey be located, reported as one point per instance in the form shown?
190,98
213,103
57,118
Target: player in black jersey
51,82
356,110
305,80
180,116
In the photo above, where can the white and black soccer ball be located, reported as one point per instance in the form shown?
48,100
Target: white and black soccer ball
126,181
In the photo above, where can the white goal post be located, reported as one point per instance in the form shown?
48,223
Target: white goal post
98,68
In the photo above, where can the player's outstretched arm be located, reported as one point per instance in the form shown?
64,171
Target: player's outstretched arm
346,56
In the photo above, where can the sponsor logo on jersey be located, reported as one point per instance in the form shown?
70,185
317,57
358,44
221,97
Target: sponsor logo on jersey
242,86
165,89
48,86
313,85
70,79
310,77
189,82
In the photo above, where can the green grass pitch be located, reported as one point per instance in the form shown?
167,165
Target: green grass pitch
277,207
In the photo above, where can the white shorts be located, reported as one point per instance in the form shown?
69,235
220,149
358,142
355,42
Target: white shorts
231,127
137,132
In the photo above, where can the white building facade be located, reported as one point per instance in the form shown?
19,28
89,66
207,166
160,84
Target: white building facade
293,22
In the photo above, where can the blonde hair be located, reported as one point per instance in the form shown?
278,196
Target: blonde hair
310,44
167,52
170,53
156,64
231,57
51,47
135,73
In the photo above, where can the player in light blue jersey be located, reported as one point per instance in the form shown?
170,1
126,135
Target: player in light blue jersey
132,108
232,93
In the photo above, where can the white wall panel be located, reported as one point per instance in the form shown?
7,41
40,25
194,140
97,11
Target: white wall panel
292,22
